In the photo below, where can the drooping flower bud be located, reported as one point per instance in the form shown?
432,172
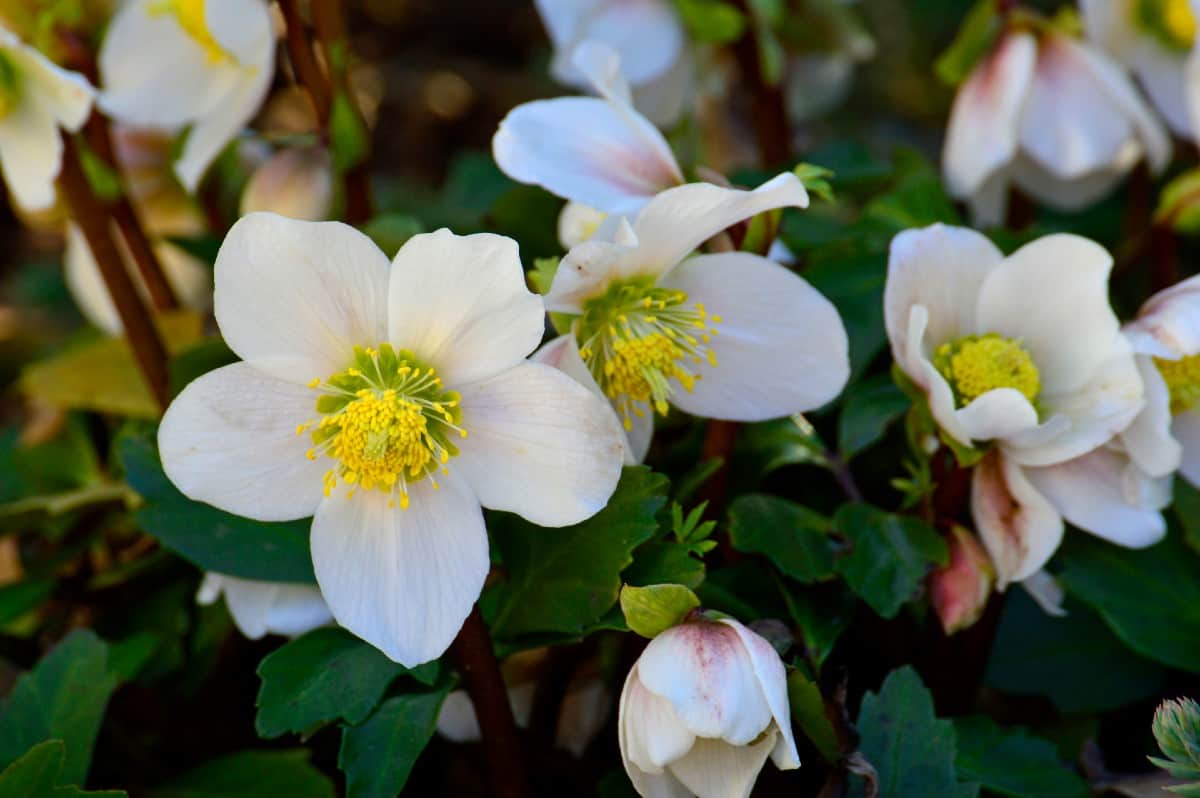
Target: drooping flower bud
297,183
960,591
702,709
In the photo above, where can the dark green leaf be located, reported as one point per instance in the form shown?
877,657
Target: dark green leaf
63,697
912,751
1149,598
325,675
212,539
713,21
22,597
65,462
891,555
1013,763
657,562
347,134
867,410
1186,507
251,774
979,30
808,710
564,580
822,613
793,537
38,771
1036,654
378,755
854,283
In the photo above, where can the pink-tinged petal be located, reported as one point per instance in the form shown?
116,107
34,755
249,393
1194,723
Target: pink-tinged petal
460,304
1168,324
294,298
229,439
403,580
959,591
772,678
1148,439
1018,526
654,734
1105,494
982,134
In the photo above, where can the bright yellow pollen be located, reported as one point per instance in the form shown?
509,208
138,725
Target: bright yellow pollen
1179,21
190,14
1183,381
381,439
640,366
977,364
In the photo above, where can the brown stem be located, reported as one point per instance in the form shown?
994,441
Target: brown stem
90,214
498,730
308,72
1164,265
766,101
844,476
719,440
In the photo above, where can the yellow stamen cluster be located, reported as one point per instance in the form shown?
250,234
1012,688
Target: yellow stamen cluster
1179,21
639,339
980,363
1183,381
386,421
190,14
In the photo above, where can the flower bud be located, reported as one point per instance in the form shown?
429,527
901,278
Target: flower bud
297,183
260,608
960,591
702,709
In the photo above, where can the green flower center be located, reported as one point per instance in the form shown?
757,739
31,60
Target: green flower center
1183,381
385,421
637,337
977,364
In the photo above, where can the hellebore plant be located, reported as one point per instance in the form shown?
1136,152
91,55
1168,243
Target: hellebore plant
389,404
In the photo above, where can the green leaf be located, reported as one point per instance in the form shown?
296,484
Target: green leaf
815,179
979,30
712,21
916,199
794,538
66,462
912,751
251,774
658,562
390,231
652,610
1179,203
63,697
808,710
771,445
1011,762
325,675
1177,731
18,599
868,408
1150,598
1186,508
196,359
212,539
822,613
564,580
37,772
378,755
347,134
854,283
891,555
1037,654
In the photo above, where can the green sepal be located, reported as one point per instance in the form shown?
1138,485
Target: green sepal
653,609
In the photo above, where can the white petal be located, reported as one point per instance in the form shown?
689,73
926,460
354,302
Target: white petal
457,721
66,95
997,414
586,270
1168,325
294,298
653,734
646,34
702,668
716,769
1148,439
460,304
1018,526
230,439
1186,429
1052,296
244,29
989,204
259,608
577,222
943,405
1044,589
403,580
657,783
772,678
1192,80
1101,494
1163,74
781,347
30,154
297,609
981,136
1072,194
598,152
664,99
1106,22
940,268
680,219
539,444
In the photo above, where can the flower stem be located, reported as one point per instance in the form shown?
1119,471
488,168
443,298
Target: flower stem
308,72
498,730
766,101
91,216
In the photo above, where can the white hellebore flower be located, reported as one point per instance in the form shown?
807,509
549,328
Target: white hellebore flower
36,99
1052,115
1156,39
389,404
204,65
1022,351
702,709
261,608
648,35
731,335
599,153
296,182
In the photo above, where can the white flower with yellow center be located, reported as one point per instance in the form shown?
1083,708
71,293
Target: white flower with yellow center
260,608
36,99
647,34
1051,115
1156,39
200,65
730,335
599,153
1023,352
389,404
